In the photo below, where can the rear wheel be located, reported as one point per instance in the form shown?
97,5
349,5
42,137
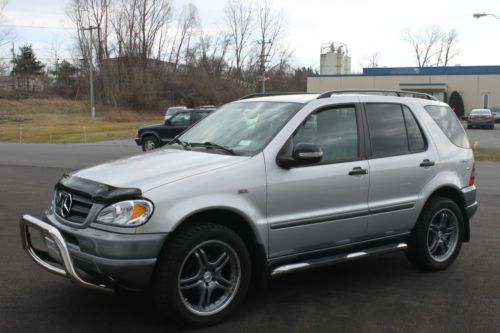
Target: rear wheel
203,275
437,237
149,143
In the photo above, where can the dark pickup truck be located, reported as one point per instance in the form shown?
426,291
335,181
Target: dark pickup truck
154,136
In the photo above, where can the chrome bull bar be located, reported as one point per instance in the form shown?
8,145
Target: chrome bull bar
44,260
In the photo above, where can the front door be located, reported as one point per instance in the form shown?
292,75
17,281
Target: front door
326,204
177,124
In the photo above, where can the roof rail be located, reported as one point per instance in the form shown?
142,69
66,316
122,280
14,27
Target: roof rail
272,94
399,93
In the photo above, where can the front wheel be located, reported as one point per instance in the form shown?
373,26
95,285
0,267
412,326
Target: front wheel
203,274
437,237
149,143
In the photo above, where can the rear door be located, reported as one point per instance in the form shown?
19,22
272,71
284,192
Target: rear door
402,161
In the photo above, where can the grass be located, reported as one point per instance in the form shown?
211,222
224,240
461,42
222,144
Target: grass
57,120
487,155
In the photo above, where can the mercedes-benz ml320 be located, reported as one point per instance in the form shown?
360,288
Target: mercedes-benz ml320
265,186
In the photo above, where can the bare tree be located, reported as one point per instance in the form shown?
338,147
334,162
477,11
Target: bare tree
238,19
140,26
188,22
373,60
447,48
423,43
92,13
5,34
270,28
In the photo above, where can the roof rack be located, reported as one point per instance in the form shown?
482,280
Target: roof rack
399,93
272,94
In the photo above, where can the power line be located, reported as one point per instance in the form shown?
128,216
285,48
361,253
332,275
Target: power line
35,27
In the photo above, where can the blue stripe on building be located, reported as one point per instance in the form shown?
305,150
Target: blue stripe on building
400,71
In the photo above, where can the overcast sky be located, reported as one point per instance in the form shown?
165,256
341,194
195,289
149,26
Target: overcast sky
366,26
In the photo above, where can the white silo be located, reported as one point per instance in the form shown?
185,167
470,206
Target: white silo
335,59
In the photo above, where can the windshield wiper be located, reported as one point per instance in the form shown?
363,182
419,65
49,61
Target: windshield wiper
184,144
211,145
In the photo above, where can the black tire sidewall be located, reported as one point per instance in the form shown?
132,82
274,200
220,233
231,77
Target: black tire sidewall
418,251
168,289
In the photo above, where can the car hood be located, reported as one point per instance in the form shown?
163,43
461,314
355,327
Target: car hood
149,127
149,170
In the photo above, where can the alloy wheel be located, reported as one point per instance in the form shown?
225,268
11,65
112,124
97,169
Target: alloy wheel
442,235
209,277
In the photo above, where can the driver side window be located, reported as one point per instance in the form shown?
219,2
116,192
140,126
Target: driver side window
181,119
334,130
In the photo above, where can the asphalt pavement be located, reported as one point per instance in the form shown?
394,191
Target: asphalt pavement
379,294
485,138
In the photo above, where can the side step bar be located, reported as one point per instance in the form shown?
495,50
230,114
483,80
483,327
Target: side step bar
338,258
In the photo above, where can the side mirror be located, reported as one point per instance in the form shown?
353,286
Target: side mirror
303,154
168,122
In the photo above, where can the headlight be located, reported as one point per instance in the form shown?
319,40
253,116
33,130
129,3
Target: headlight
130,213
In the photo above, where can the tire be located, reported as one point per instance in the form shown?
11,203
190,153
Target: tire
150,142
191,264
430,237
469,126
492,126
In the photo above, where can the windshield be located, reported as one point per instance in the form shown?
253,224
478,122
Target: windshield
245,127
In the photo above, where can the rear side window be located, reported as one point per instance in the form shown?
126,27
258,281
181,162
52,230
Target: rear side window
446,119
416,140
393,130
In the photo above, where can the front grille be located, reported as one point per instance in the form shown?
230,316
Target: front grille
78,209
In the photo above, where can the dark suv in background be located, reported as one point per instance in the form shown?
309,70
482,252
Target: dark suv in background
154,136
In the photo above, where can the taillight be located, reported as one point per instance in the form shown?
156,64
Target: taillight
472,179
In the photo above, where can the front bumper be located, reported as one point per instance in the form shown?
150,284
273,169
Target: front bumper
93,258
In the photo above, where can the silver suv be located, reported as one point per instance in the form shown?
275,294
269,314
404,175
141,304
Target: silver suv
265,186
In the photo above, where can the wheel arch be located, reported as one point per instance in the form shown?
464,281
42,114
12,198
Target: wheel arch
151,133
241,225
453,193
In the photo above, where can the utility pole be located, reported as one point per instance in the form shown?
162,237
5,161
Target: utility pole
13,64
91,69
263,60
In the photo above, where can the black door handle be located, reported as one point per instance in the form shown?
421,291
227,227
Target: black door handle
358,171
427,163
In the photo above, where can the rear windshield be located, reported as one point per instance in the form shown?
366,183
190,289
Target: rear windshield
485,112
446,119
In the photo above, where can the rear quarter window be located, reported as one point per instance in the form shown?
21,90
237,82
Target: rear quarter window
446,119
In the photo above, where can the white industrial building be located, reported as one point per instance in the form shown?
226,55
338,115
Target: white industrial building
479,86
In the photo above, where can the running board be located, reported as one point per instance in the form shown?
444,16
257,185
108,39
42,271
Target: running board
338,258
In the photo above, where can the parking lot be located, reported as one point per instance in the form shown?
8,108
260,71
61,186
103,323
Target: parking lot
486,138
382,294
